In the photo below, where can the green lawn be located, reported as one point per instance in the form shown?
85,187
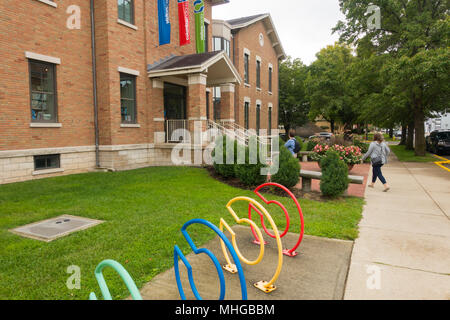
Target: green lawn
404,155
144,211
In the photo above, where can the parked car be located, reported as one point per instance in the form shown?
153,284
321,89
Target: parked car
322,135
438,142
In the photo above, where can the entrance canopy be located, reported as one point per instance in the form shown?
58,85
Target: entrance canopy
216,65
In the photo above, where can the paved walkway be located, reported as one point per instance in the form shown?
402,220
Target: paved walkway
403,249
317,273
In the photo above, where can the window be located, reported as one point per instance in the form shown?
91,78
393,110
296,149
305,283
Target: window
206,37
258,118
217,97
226,46
269,125
46,162
246,70
270,79
222,44
246,115
217,42
258,74
126,10
207,105
128,98
43,91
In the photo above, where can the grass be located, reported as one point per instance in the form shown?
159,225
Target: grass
404,155
144,211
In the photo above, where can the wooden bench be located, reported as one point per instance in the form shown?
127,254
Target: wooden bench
308,176
304,155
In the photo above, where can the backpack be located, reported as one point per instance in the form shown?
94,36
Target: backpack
378,161
297,147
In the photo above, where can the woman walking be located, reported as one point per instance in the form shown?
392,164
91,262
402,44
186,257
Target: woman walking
378,152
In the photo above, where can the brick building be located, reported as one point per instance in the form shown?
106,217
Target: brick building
77,96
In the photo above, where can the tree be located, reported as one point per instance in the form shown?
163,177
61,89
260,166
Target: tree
415,34
294,106
327,86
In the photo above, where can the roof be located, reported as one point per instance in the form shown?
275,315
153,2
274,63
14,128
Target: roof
245,20
217,2
187,61
240,23
217,65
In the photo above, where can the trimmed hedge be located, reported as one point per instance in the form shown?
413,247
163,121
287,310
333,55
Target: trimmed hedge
288,173
224,169
334,175
250,174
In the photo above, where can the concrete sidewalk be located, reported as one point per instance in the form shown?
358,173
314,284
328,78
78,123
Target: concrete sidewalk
403,249
317,273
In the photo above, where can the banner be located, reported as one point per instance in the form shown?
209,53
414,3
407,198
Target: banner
183,16
200,35
164,22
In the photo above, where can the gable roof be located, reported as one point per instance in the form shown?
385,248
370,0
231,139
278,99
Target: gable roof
216,64
244,22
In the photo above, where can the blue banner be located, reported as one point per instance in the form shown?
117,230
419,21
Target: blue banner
164,22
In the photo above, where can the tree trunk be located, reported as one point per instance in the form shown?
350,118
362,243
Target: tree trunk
410,137
404,133
391,133
332,125
419,124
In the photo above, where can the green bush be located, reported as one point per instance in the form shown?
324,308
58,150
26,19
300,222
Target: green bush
250,174
334,175
362,145
288,173
224,169
311,144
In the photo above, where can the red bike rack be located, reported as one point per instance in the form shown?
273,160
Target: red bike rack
287,252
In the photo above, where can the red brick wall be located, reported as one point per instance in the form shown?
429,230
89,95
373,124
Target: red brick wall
120,46
36,27
249,38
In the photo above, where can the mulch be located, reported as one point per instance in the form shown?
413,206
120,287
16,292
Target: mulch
315,194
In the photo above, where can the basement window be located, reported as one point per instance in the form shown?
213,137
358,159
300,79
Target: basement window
46,162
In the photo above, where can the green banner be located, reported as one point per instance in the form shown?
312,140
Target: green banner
200,34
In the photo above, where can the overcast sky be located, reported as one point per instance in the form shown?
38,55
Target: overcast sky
304,26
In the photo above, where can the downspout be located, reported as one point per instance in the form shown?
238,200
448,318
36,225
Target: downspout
236,102
94,79
279,98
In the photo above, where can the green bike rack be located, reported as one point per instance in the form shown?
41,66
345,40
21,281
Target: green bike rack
129,282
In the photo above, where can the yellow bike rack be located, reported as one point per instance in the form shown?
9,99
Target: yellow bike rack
265,286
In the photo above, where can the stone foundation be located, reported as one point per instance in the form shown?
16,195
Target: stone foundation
18,165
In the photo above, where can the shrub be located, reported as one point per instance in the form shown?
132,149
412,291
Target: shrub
250,174
334,175
288,173
224,169
312,143
362,145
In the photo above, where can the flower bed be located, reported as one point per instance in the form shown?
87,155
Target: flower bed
351,155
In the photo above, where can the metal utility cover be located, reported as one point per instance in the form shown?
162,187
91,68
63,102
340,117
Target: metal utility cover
51,229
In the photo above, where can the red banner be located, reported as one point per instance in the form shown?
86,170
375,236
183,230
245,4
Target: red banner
183,16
